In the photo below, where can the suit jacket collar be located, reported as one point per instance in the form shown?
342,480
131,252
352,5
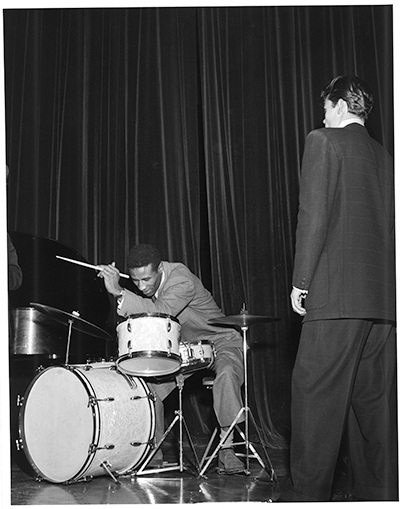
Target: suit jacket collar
356,127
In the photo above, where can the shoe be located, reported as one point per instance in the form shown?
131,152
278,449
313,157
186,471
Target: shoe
229,463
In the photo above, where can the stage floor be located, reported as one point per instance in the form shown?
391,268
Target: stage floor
172,487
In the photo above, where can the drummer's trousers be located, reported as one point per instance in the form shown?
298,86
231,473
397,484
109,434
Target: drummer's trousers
227,397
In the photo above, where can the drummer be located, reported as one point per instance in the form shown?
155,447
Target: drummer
172,289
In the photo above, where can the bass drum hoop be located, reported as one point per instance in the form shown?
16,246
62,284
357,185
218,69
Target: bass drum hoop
149,354
24,441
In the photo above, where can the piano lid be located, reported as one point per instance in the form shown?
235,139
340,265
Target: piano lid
53,282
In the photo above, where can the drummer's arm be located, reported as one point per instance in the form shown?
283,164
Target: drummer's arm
175,296
128,303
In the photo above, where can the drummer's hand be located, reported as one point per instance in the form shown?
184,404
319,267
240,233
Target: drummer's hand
110,274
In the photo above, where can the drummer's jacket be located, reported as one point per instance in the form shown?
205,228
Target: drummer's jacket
183,296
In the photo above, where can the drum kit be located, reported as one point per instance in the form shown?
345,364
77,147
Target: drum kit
78,421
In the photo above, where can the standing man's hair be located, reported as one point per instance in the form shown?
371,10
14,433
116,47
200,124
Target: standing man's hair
353,91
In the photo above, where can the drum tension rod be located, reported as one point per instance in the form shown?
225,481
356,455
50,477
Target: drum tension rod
93,401
93,448
138,444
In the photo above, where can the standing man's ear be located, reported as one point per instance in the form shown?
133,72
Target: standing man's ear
342,106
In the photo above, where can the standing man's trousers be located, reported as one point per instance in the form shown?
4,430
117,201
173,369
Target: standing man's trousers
344,380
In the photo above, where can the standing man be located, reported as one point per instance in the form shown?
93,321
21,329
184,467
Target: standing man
344,286
172,289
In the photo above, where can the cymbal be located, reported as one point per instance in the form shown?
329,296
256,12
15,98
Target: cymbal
77,322
241,320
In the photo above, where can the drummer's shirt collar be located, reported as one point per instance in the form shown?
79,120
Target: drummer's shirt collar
155,296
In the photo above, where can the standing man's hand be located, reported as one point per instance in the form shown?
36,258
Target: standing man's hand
297,297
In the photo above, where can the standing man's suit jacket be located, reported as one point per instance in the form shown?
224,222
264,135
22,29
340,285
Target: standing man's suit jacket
345,255
184,296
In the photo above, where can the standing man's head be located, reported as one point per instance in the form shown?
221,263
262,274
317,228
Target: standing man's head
145,268
346,97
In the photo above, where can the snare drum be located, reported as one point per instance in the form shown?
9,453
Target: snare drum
148,345
77,422
196,356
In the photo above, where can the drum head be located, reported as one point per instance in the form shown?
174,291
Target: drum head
57,424
148,364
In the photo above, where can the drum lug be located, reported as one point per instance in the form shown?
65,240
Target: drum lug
19,445
169,348
169,325
20,400
129,326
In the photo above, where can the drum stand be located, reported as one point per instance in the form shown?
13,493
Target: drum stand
245,436
180,420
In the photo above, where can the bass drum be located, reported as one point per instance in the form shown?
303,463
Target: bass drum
81,421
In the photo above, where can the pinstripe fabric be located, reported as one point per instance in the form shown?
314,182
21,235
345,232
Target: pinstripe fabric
344,241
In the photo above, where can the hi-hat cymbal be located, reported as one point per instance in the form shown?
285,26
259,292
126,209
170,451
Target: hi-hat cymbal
241,320
78,323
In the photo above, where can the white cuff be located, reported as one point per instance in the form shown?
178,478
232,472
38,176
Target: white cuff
120,298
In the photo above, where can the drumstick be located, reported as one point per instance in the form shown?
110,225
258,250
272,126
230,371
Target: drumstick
96,267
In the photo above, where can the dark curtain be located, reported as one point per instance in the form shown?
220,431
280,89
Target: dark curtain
184,127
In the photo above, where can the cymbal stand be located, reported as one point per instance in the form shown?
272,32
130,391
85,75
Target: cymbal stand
245,436
180,420
70,324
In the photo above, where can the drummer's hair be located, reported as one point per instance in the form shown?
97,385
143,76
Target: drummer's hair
142,255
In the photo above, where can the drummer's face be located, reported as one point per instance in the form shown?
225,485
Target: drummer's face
147,279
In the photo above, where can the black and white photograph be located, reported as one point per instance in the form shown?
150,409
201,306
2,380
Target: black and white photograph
199,205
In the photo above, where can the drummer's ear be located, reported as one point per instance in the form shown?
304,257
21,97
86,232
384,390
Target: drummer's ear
160,267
